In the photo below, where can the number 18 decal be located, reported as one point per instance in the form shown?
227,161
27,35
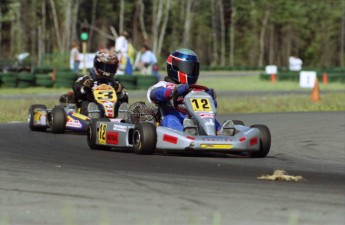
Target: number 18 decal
102,133
201,104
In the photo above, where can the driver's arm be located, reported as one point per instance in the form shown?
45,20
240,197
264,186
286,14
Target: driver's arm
161,94
79,88
121,92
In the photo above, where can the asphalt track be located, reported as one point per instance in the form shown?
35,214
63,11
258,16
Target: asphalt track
56,179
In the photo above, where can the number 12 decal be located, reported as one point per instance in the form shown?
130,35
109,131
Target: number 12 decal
201,104
102,133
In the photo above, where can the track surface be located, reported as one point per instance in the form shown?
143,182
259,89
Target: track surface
55,179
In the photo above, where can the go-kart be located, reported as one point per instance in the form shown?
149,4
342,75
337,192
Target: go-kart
144,134
67,116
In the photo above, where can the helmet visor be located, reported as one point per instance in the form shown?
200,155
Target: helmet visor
106,69
186,67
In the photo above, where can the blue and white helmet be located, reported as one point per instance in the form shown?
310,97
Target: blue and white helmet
183,66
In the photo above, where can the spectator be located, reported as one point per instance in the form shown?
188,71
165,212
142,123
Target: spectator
146,60
74,57
121,49
295,63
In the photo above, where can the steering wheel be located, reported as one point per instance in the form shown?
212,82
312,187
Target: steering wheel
197,87
191,88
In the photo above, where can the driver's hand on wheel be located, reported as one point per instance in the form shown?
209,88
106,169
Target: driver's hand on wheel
180,89
88,83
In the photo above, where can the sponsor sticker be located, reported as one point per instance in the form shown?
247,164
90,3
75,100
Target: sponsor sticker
216,139
80,116
112,138
170,139
73,123
120,128
209,122
216,146
206,115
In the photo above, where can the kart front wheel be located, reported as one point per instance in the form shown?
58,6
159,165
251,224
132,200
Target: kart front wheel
58,120
265,141
144,138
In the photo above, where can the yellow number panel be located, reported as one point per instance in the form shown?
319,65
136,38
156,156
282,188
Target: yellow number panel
201,104
102,133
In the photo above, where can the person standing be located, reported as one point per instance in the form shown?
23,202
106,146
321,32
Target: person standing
121,49
74,57
146,60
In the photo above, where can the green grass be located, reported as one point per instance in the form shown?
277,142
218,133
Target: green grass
32,90
290,103
253,83
16,109
219,83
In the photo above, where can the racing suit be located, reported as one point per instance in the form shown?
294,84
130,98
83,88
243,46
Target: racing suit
161,94
84,94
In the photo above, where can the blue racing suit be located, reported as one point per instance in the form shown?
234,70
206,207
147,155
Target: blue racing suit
161,94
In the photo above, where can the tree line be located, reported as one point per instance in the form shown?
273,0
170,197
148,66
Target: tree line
221,32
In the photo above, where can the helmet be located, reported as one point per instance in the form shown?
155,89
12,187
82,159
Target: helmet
183,66
105,64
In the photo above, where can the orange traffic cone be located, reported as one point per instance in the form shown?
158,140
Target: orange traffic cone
325,78
315,94
273,78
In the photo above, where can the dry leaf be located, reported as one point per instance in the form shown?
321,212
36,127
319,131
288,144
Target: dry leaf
281,175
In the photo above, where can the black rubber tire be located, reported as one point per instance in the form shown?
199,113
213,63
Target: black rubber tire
31,117
58,120
238,122
144,138
265,142
91,135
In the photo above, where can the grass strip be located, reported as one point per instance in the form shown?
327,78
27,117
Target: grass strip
17,109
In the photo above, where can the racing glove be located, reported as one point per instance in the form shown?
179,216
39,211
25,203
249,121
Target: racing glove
180,89
121,93
87,85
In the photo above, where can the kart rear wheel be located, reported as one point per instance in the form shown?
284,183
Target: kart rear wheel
265,142
58,120
144,138
32,115
238,122
92,134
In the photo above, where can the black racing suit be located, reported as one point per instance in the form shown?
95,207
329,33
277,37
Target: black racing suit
83,95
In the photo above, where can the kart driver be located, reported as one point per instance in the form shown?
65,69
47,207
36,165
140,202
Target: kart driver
183,70
104,68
